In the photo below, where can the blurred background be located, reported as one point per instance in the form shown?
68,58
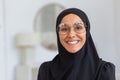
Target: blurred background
27,33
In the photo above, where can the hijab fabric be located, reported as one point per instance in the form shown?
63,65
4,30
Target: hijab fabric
79,66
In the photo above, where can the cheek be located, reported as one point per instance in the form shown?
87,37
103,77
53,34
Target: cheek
62,38
82,38
63,41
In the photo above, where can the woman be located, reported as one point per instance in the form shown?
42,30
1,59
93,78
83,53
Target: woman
77,58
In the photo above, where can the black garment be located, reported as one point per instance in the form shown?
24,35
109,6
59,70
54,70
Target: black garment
106,71
82,65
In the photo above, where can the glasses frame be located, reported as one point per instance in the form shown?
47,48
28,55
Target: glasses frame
62,24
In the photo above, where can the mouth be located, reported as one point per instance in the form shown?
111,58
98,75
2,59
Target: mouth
72,42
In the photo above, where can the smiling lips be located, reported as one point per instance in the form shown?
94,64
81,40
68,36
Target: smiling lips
73,42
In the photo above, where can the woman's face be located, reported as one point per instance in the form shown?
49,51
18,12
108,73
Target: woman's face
72,33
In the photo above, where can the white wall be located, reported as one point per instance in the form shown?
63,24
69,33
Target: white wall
117,23
2,44
117,28
19,18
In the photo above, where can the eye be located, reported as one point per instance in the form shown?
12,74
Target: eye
64,29
78,27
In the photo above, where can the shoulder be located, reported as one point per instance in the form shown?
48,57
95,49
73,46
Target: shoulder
108,71
108,66
44,66
43,70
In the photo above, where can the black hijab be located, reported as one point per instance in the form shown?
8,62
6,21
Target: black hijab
79,66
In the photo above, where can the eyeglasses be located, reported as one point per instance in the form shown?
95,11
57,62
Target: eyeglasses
65,28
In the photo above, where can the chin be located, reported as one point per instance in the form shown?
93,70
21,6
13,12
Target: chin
73,52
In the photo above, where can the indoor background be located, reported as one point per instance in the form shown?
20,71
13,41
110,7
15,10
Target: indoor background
27,33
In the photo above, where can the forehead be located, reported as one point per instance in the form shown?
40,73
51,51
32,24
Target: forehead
71,18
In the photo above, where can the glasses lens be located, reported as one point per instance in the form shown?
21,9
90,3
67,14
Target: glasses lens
63,30
79,28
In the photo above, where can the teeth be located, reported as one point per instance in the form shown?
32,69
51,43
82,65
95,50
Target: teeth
72,42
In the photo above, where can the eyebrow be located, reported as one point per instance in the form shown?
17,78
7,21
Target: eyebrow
61,24
78,23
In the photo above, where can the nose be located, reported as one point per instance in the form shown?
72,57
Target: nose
71,33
